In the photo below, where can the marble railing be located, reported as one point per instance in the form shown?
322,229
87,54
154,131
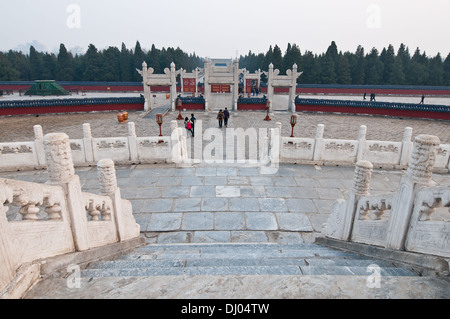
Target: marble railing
89,150
382,154
39,221
402,220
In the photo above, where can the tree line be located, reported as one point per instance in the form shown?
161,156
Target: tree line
388,67
108,65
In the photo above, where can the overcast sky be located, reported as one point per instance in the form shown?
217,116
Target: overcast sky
220,29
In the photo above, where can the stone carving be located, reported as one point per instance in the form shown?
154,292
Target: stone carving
429,206
75,146
59,157
422,160
105,144
441,152
107,176
334,225
375,206
383,148
339,146
362,176
301,145
15,150
150,144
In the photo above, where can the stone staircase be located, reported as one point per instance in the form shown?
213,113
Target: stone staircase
220,259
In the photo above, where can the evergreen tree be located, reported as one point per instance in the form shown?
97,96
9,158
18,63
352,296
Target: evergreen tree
292,56
138,58
92,63
64,66
20,63
311,69
343,70
110,68
435,71
328,69
419,72
126,65
404,58
374,68
268,58
277,58
446,71
153,59
35,64
49,64
358,68
7,71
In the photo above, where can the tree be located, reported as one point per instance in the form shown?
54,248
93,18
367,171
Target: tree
277,58
7,71
374,68
419,72
126,65
358,69
93,65
328,69
268,58
64,66
435,71
49,64
392,73
292,56
446,71
110,68
343,70
35,64
138,58
311,69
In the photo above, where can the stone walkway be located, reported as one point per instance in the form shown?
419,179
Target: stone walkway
209,204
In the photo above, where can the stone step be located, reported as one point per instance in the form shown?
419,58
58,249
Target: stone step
239,259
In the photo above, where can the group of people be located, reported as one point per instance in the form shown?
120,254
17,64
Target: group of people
372,96
222,117
189,123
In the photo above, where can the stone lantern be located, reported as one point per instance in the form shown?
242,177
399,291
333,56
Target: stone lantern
268,108
159,120
293,122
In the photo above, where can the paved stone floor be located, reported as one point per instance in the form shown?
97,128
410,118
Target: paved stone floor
205,204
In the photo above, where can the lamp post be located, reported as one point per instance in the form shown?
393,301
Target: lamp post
159,120
268,107
179,105
293,122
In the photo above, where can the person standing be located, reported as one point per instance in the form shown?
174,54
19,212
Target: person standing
193,119
220,117
422,100
226,117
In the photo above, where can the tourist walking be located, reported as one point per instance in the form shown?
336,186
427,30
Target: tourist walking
422,100
220,117
226,117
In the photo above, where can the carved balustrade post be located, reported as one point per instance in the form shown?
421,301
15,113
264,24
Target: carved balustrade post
60,168
122,209
419,174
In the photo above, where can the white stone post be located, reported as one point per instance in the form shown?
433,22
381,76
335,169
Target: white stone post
419,174
39,145
319,143
361,143
123,214
176,143
235,84
207,86
361,184
173,87
292,89
147,89
407,145
87,143
7,262
132,141
61,172
270,86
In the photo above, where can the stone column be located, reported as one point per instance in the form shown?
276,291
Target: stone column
235,84
318,143
126,225
173,87
147,89
39,144
61,172
292,89
207,86
407,145
361,143
132,141
419,173
87,142
7,261
107,176
270,86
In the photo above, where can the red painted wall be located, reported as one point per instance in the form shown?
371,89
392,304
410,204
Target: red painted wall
362,110
72,108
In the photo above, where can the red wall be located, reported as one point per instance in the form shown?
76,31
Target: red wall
362,110
72,108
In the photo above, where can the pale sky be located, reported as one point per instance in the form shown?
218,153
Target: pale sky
220,29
